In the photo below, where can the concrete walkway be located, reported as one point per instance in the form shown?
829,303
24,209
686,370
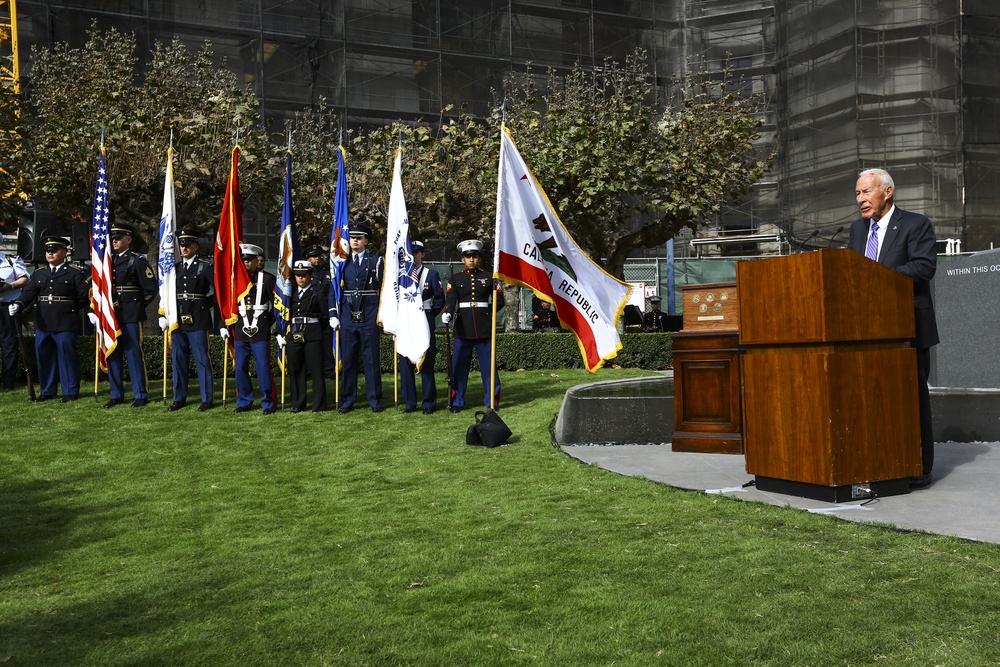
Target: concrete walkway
962,501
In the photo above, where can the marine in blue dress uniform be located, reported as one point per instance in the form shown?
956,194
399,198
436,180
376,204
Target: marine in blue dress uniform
432,296
252,333
196,316
133,287
468,304
356,315
62,295
307,316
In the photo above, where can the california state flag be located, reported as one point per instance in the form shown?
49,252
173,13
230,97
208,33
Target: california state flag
535,250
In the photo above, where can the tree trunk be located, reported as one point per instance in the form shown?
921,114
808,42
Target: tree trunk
512,309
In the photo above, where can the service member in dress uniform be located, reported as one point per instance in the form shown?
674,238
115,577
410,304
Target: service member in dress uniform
307,315
655,319
133,287
62,295
252,333
13,276
357,318
433,301
196,316
321,274
468,304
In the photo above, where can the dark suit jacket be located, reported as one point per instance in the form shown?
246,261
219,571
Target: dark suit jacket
910,248
61,298
194,295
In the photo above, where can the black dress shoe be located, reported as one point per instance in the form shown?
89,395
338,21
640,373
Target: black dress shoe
921,481
428,411
344,411
175,406
243,408
43,398
455,409
68,398
377,409
407,411
113,402
319,409
140,402
296,411
206,406
268,411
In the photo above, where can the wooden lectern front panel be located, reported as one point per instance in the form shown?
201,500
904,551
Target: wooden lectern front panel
831,415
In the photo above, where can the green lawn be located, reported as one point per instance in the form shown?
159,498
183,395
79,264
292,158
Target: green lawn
139,537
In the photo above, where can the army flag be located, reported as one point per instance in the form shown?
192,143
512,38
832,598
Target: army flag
167,255
340,243
401,307
232,282
100,271
535,250
288,252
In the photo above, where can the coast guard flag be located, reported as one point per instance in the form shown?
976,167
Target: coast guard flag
535,250
232,282
400,310
100,271
340,243
167,252
288,252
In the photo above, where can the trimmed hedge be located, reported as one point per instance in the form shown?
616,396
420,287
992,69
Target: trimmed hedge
521,350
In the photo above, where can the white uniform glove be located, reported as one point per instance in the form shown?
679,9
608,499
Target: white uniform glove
163,323
13,308
224,332
446,318
93,318
281,341
334,323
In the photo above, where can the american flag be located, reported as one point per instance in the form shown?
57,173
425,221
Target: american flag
100,295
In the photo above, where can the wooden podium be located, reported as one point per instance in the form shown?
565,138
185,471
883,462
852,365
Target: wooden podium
829,381
707,372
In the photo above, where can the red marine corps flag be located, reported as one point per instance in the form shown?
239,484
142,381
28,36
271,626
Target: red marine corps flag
232,282
535,250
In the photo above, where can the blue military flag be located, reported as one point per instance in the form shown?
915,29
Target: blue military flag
288,253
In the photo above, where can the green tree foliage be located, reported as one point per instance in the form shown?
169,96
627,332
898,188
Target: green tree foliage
11,154
622,171
448,173
74,93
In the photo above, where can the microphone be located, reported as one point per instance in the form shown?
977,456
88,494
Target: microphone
830,243
807,239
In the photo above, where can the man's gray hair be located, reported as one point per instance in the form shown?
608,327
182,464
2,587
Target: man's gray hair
884,179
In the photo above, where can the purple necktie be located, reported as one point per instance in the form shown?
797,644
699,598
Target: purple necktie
871,250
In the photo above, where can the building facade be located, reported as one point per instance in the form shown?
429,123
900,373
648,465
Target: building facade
909,85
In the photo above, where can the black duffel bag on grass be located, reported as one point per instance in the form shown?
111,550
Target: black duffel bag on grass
488,431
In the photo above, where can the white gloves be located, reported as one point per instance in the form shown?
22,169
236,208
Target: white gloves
163,323
224,332
446,318
93,318
281,341
12,309
334,323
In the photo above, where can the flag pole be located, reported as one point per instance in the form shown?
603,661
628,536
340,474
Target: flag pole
166,333
97,358
225,369
395,373
336,369
493,351
284,371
